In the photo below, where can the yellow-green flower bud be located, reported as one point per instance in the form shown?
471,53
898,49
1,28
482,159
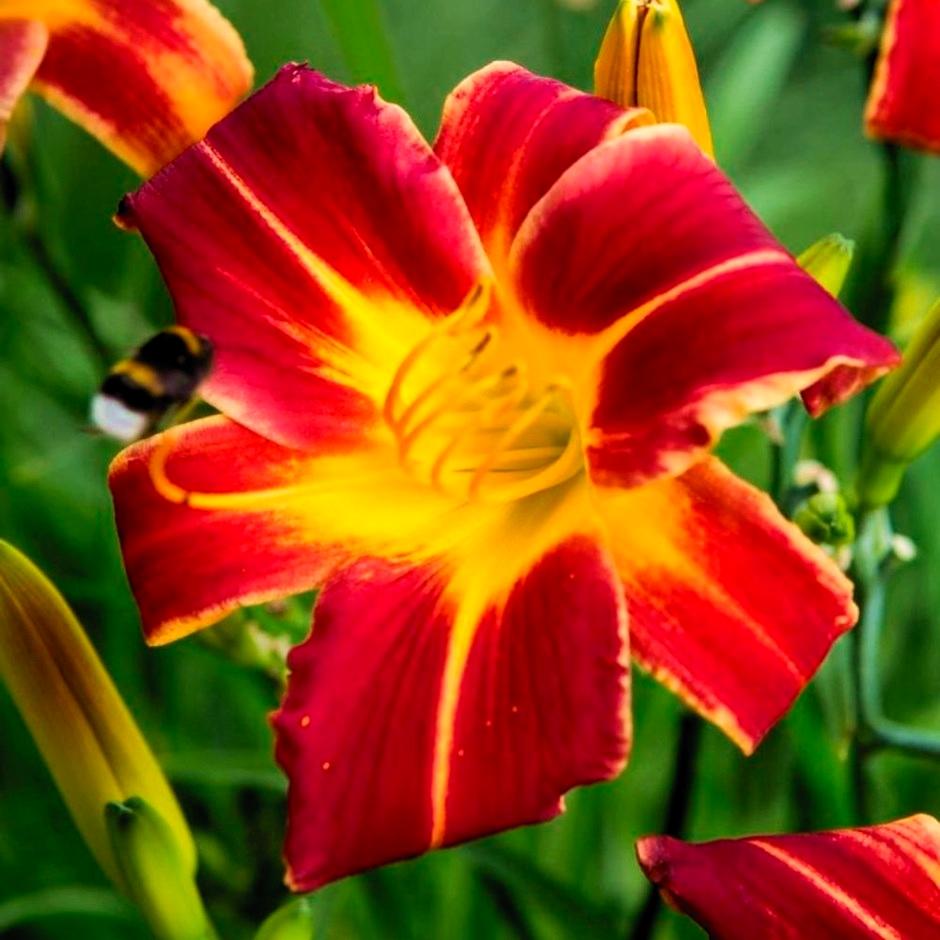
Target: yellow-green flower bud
646,60
826,519
82,727
154,876
828,261
904,416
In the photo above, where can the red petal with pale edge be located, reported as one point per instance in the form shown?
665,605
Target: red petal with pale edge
731,606
634,219
739,342
902,102
508,135
147,79
187,566
411,723
875,882
294,236
22,46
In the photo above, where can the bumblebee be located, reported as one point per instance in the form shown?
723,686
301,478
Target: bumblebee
162,375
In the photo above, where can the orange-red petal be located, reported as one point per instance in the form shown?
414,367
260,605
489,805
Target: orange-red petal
902,102
147,79
309,237
686,314
189,566
633,220
879,882
507,135
411,722
731,606
740,342
22,46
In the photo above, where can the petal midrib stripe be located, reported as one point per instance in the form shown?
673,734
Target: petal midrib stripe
866,917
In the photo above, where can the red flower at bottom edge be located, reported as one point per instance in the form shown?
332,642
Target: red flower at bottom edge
850,884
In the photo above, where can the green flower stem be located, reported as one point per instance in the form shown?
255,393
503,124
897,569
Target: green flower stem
793,420
870,628
360,32
677,814
871,289
915,741
876,731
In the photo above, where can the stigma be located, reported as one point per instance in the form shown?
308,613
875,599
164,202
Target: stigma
470,421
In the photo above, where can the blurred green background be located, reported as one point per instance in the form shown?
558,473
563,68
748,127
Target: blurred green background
786,108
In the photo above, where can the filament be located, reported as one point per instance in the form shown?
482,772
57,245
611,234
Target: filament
194,499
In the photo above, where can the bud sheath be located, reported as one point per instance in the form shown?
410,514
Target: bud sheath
904,417
646,60
87,737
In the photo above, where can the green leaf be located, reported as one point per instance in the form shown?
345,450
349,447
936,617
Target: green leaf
56,902
749,78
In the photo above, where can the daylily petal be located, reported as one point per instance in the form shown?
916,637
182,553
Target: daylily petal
413,720
507,135
147,79
189,567
212,515
731,606
902,101
226,517
633,220
309,237
22,46
740,342
672,342
874,882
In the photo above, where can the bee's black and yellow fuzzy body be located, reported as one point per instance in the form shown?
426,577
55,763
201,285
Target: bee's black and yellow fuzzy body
164,373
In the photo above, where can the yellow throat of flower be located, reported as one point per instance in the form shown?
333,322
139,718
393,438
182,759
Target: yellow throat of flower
469,419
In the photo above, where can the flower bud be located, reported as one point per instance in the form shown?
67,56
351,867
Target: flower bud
646,60
154,875
86,735
825,518
827,261
904,416
294,921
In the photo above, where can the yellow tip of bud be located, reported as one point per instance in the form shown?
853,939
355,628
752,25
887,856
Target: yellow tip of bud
82,727
646,60
904,416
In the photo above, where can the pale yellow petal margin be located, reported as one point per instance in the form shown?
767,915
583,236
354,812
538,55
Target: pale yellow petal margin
186,64
22,46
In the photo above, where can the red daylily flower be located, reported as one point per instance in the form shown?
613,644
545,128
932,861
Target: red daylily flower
146,77
876,882
902,102
470,391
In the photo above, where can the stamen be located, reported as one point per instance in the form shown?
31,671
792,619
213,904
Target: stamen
567,463
473,308
174,493
476,421
469,423
442,382
479,422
